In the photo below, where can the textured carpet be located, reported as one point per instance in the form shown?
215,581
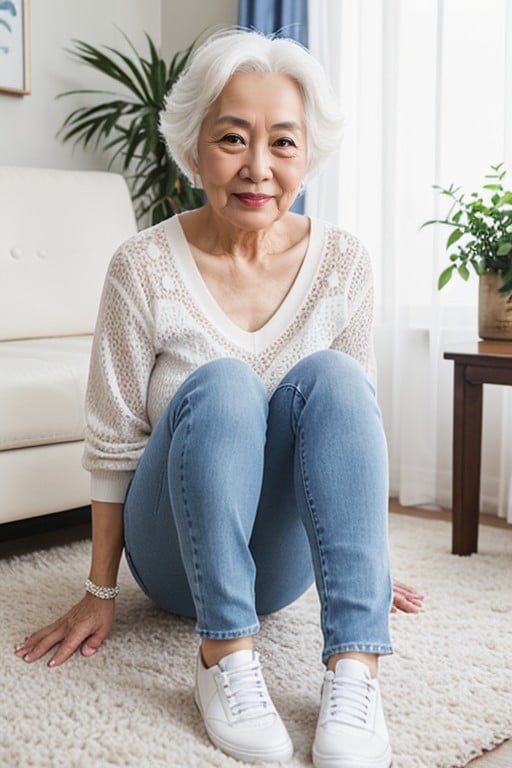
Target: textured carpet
447,689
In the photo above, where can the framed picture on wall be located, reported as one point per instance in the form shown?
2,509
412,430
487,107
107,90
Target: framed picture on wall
14,47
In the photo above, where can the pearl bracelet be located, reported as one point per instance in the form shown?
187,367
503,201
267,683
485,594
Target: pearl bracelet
104,593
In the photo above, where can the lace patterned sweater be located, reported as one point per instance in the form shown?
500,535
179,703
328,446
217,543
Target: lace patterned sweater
158,322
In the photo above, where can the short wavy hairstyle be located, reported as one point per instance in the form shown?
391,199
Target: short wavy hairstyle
232,51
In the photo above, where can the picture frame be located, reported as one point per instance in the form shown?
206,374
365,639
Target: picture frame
14,47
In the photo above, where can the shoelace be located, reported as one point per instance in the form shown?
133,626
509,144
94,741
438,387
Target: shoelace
349,702
245,690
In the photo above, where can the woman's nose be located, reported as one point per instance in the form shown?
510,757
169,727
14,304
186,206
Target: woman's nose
257,166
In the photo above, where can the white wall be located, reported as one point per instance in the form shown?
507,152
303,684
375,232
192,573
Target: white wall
29,124
180,28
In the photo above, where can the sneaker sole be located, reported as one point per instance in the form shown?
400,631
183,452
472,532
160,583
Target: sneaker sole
325,761
278,755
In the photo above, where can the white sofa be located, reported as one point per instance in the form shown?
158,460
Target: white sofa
58,231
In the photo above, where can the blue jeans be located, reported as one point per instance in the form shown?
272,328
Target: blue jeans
238,503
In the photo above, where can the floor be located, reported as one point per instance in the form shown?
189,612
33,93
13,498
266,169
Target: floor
498,758
21,538
501,757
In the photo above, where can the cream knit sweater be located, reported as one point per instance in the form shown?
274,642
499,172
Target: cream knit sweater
158,322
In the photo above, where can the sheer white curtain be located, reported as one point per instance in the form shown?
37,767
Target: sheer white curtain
426,88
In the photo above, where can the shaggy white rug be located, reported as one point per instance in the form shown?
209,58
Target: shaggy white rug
447,689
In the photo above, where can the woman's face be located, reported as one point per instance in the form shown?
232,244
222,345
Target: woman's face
252,149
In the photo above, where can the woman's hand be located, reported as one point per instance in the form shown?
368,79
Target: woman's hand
406,599
87,624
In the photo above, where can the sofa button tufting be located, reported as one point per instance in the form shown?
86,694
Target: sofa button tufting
16,253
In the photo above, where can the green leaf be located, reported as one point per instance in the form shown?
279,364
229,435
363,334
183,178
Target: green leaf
436,221
445,277
480,270
455,235
506,199
463,272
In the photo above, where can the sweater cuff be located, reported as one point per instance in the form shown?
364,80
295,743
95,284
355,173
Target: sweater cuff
110,486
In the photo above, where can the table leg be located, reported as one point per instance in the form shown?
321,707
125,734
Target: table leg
467,442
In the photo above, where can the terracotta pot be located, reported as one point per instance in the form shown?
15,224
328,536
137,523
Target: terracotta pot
494,309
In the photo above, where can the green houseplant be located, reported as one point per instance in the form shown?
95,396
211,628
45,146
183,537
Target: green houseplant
126,125
481,241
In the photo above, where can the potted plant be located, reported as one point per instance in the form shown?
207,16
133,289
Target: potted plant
481,240
127,125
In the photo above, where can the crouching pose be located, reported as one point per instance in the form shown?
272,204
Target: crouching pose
233,436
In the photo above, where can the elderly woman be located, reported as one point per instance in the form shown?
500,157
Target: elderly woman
233,435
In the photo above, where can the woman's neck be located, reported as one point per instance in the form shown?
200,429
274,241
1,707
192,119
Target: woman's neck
208,232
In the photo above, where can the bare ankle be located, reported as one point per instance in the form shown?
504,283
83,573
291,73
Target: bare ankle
212,651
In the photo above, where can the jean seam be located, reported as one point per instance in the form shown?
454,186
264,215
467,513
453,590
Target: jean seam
135,572
296,391
381,649
311,507
228,634
316,532
192,539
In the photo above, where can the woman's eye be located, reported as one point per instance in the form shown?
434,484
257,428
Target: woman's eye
284,143
232,138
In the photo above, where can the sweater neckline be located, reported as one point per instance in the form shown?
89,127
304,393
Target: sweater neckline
252,341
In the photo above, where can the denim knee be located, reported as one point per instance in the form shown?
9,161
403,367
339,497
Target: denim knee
334,366
228,387
332,377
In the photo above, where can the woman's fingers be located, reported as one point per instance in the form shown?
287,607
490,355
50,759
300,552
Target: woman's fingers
69,645
93,643
399,586
87,624
406,598
30,649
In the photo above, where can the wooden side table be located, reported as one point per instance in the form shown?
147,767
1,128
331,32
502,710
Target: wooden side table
478,363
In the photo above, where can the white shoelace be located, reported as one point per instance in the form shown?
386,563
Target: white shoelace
349,702
245,691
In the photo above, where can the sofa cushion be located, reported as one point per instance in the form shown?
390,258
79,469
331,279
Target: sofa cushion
42,390
59,231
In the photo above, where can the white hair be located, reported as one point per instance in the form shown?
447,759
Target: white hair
232,51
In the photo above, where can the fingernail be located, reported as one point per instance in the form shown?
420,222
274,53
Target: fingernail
51,663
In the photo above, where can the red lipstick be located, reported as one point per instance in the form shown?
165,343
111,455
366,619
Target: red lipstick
253,200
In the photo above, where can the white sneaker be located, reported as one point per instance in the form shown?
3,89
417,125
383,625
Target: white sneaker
351,730
237,710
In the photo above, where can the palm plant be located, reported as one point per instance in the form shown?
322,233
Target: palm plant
127,125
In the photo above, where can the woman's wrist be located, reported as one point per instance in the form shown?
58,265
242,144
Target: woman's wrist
101,591
107,543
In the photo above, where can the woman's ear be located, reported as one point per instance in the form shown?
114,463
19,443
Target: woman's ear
192,162
194,167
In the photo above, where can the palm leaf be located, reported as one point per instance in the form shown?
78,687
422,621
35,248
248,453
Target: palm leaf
105,64
127,126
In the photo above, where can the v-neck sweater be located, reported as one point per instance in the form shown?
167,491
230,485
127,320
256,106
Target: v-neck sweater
158,322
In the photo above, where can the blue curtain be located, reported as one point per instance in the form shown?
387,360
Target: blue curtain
284,18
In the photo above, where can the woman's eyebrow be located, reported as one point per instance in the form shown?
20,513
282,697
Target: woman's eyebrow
232,120
286,125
